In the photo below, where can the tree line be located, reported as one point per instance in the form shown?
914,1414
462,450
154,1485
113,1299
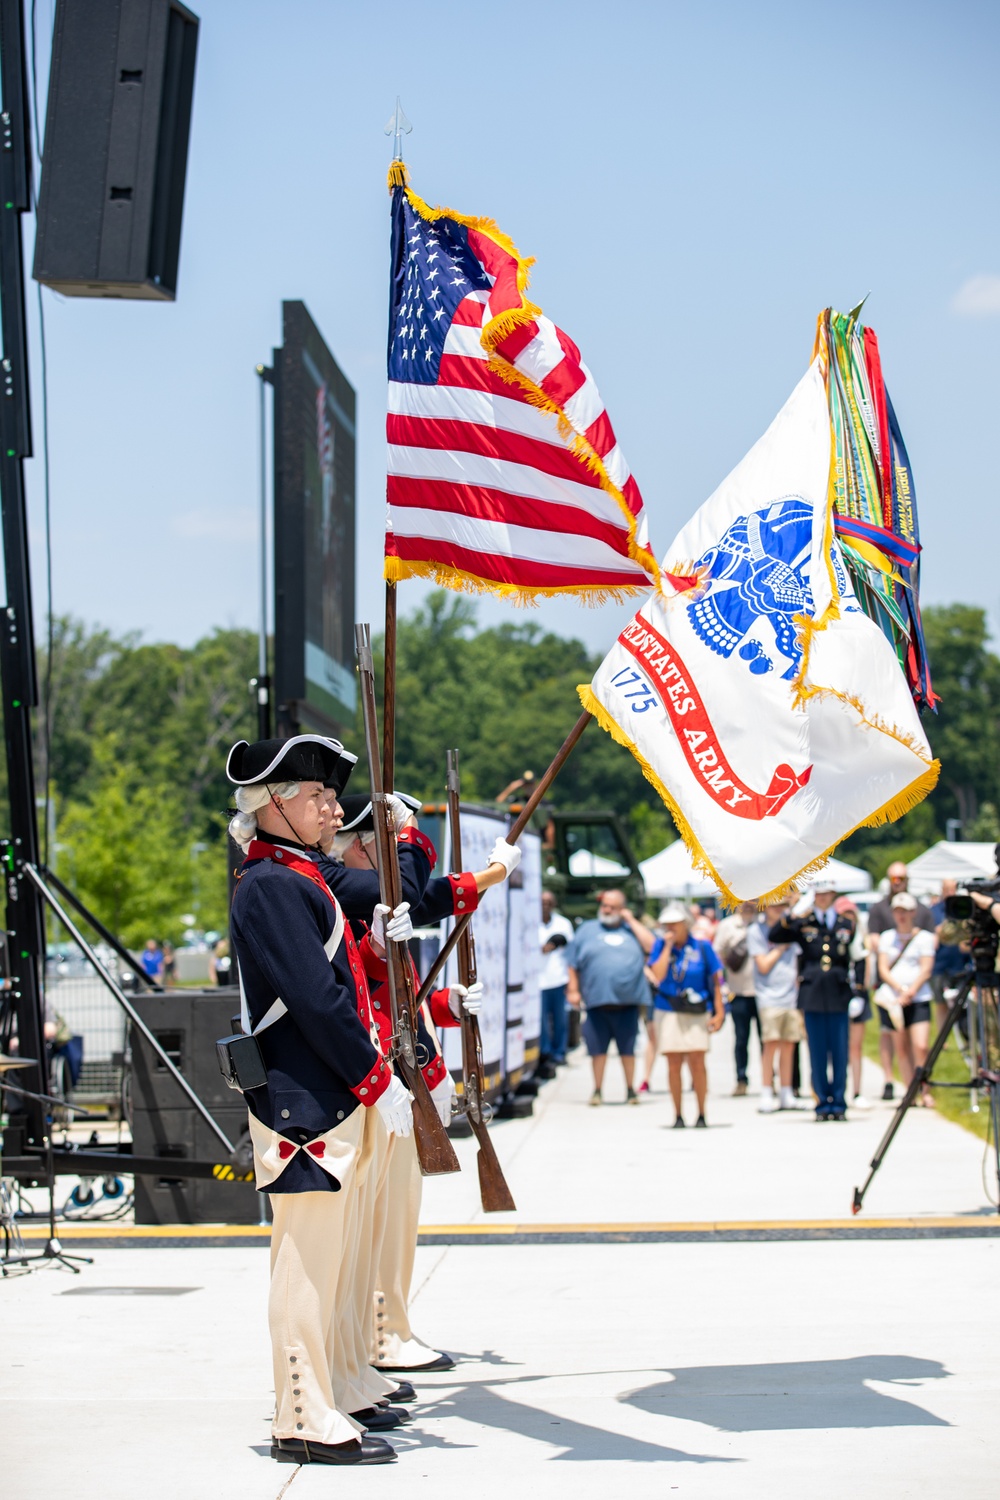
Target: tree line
138,735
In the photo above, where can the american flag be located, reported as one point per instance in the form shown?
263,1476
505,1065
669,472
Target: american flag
503,469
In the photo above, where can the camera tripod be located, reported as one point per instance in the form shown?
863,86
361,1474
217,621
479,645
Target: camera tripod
984,1046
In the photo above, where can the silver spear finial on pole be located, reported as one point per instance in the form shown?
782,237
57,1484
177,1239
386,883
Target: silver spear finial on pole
398,126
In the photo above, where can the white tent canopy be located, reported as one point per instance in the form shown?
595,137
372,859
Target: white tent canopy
849,880
944,860
582,862
671,873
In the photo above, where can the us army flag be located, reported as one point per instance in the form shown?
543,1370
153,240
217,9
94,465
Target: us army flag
767,709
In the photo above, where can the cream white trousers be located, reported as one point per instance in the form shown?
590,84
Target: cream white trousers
392,1339
310,1307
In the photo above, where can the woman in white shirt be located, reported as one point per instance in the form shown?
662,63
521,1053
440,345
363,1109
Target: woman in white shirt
905,961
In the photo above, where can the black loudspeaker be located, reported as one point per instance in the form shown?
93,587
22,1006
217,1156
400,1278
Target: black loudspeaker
187,1024
116,142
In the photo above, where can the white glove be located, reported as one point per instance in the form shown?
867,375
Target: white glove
470,1000
395,1108
399,927
804,904
399,812
444,1095
856,1006
508,855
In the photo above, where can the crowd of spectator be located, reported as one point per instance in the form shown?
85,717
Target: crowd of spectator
816,971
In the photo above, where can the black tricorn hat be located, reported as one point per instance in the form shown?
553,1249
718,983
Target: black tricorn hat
358,816
357,813
304,757
341,773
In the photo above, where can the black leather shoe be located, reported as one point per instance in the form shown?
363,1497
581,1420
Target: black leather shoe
381,1418
442,1362
365,1450
403,1392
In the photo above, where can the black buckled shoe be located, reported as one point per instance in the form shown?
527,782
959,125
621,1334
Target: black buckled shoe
442,1362
403,1392
382,1418
364,1450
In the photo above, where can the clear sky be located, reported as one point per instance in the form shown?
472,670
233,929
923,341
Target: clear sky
696,181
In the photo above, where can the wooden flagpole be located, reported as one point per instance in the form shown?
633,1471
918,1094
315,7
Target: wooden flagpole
389,692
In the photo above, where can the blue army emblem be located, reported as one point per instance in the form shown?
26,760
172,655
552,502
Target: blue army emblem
756,580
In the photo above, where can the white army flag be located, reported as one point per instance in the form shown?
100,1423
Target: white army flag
767,709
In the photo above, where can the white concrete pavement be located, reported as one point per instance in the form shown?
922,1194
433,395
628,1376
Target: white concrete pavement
710,1369
571,1162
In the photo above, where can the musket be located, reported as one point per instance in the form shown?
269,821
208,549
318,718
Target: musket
521,823
435,1152
493,1189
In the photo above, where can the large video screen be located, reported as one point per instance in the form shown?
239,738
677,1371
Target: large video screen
314,530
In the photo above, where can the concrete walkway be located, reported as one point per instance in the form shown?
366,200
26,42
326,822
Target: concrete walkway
858,1367
570,1163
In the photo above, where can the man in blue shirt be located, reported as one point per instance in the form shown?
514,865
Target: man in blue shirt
687,1007
605,960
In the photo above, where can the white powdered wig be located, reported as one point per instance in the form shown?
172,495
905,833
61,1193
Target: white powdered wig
243,828
343,841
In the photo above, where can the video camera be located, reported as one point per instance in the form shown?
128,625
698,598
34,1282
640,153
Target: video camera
983,932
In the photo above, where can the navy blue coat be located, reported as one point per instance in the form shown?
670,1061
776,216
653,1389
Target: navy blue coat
824,962
320,1058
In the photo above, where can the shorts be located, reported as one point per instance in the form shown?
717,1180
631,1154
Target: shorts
680,1032
943,986
777,1025
617,1023
913,1014
866,1014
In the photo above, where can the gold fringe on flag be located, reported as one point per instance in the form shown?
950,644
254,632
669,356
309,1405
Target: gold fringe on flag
398,568
901,803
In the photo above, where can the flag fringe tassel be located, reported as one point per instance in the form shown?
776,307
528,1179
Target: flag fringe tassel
902,802
396,569
500,328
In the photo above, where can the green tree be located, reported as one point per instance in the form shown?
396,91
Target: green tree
506,696
964,734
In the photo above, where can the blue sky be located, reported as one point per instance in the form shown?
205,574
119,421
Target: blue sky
696,181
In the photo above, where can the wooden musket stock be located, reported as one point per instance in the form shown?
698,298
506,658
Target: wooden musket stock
435,1152
493,1189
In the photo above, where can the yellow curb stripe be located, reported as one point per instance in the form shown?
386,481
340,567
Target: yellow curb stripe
509,1230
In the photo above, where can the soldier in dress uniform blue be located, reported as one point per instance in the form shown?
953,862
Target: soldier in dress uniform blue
394,1347
330,1090
824,937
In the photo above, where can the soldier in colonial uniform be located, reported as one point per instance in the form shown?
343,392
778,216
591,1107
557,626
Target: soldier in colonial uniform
824,937
329,1088
394,1347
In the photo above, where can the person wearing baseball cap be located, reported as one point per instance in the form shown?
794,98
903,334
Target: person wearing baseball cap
905,962
776,976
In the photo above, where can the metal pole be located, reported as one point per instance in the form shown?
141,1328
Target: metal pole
102,931
265,375
389,692
124,1002
25,912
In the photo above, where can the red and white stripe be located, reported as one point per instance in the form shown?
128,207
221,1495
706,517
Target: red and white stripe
483,483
